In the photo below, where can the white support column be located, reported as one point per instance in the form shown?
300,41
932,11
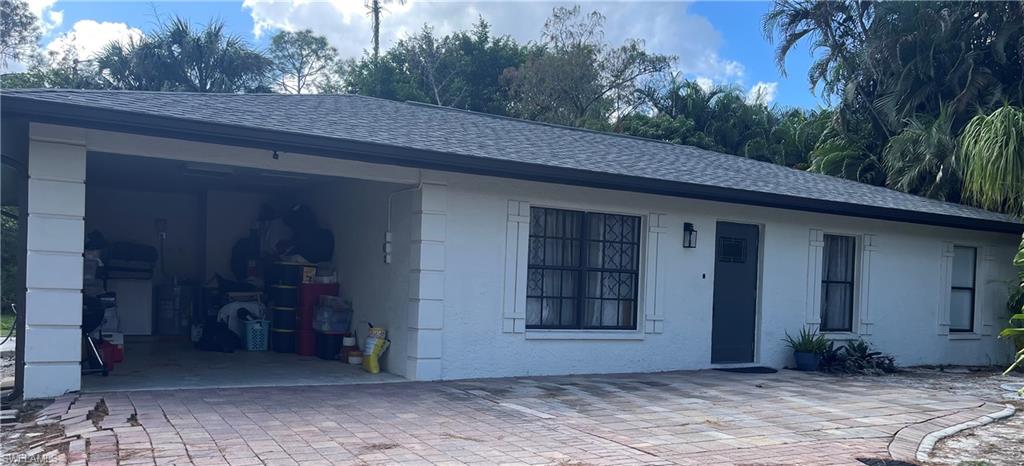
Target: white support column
426,284
56,229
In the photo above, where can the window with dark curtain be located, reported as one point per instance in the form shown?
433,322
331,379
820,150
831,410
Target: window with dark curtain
583,270
837,283
961,293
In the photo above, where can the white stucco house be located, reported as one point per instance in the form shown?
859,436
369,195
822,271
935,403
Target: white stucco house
515,248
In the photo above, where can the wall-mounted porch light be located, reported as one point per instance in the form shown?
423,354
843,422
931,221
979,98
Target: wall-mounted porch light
689,235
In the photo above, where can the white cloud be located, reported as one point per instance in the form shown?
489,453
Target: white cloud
49,18
762,92
87,38
705,83
666,27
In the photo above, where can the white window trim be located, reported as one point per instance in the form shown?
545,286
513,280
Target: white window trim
649,319
865,247
583,334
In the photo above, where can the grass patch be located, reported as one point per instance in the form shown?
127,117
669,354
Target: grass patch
6,323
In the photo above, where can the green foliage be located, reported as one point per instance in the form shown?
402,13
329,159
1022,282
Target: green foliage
915,72
461,70
56,70
302,61
921,158
181,57
19,33
808,341
856,357
1016,332
992,147
576,78
8,256
722,119
847,157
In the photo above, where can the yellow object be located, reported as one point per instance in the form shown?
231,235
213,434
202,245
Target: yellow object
376,344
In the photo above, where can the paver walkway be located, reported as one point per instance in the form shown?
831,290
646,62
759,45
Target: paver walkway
706,417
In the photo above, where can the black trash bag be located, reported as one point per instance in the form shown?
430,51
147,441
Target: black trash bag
219,337
95,240
309,240
245,250
315,245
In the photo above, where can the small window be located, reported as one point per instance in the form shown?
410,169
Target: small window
583,270
837,284
961,294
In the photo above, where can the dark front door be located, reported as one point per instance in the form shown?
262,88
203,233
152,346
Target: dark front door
734,312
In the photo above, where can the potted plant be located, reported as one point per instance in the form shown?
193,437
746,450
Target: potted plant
807,348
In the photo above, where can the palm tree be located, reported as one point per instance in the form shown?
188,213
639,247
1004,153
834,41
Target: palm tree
180,57
846,157
992,148
374,9
921,159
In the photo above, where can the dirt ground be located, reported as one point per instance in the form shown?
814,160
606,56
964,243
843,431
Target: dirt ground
998,443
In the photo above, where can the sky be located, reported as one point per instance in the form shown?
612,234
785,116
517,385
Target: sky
716,42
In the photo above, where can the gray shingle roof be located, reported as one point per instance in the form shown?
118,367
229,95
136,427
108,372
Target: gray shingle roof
425,127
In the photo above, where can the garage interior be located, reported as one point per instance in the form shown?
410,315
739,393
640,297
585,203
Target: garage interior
178,253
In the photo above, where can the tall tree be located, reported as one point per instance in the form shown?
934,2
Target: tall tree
725,120
921,158
438,66
302,61
576,78
459,70
19,31
181,57
63,70
992,148
374,8
896,67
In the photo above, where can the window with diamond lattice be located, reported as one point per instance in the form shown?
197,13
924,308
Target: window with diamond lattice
583,270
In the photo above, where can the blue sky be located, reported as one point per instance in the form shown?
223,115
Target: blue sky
717,42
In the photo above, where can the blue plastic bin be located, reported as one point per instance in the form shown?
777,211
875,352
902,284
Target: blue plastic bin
257,335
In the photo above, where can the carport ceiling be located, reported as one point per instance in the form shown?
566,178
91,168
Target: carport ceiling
155,174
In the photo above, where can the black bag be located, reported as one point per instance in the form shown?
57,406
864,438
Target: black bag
218,337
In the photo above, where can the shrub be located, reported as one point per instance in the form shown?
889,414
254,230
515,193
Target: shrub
856,357
809,341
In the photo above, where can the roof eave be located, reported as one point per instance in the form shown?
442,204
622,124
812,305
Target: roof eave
153,125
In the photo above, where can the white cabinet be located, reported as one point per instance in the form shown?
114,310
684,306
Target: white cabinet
134,305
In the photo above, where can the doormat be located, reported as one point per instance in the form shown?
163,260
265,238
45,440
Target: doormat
883,462
749,370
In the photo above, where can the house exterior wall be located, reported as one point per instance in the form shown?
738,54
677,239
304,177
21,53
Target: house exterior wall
901,293
465,271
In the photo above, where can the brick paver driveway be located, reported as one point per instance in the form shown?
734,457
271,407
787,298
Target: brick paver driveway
707,417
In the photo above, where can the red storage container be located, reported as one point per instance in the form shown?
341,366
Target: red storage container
305,344
309,298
